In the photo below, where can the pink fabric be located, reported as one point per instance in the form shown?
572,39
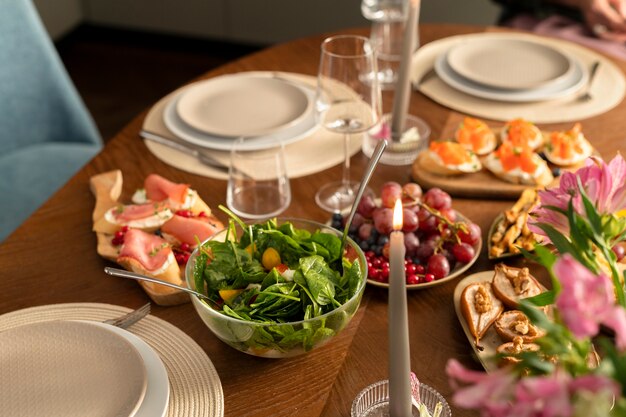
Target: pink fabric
568,29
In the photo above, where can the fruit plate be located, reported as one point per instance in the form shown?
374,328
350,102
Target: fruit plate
491,340
456,272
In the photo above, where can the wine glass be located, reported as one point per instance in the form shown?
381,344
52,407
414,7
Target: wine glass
347,101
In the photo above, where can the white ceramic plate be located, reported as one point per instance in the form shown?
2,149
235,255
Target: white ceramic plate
513,64
458,270
287,135
69,368
243,105
157,395
572,83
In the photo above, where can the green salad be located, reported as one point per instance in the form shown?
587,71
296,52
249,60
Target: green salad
274,274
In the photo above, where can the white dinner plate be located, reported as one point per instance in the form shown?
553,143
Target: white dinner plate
243,105
570,85
157,395
69,368
287,135
511,64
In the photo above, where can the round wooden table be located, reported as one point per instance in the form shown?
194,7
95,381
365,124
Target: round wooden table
52,258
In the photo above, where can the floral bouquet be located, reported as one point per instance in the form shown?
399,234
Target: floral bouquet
588,307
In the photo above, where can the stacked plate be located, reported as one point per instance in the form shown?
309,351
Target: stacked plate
64,368
256,105
510,70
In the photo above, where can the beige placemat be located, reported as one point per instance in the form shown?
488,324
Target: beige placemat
317,152
607,89
195,387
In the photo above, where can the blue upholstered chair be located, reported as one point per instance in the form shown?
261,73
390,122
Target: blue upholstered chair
46,133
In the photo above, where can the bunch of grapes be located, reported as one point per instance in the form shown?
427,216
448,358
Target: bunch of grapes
435,240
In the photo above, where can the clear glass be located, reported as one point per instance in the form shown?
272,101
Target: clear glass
384,10
402,150
373,401
258,184
347,102
387,38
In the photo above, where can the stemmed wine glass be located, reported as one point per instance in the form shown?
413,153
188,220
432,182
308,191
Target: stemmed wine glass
347,101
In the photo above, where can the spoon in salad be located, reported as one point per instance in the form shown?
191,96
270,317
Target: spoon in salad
378,152
138,277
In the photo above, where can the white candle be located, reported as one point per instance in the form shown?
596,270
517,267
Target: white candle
399,357
403,86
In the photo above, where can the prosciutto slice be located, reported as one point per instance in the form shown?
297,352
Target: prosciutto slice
151,251
190,230
159,189
132,212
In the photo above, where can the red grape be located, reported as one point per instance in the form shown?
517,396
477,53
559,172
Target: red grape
437,199
472,236
425,250
389,193
383,220
438,265
410,222
366,206
619,251
365,231
411,192
463,252
411,243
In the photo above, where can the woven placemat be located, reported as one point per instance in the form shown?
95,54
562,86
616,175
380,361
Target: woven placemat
318,151
607,90
195,387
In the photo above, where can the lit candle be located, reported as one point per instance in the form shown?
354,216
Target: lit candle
403,86
399,358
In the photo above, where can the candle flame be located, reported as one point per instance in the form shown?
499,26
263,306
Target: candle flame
397,215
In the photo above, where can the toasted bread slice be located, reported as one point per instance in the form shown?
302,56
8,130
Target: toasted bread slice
514,323
512,284
480,308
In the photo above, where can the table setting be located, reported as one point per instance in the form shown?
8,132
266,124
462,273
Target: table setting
365,303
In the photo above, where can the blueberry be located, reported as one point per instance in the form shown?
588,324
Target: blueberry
556,171
337,216
364,245
382,239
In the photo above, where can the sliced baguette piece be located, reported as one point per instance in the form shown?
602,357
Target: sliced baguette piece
514,323
513,284
480,308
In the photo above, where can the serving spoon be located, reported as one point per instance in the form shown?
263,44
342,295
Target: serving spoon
369,170
139,277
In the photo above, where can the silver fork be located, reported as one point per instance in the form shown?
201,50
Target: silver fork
586,94
131,318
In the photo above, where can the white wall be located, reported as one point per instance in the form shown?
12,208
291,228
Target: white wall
250,21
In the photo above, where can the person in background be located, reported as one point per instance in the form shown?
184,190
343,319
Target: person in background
599,24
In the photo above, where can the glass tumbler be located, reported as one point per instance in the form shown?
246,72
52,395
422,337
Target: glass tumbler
258,184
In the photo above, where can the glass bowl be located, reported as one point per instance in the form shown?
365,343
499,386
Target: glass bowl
373,401
280,340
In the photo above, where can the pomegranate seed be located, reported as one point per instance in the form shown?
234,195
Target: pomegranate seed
370,254
119,234
373,273
411,269
124,229
384,272
376,262
384,264
184,213
420,269
412,279
202,214
184,247
429,278
117,241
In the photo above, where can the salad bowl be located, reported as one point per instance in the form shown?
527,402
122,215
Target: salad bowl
274,286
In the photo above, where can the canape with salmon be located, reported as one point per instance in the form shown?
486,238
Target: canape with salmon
450,158
569,147
475,135
519,165
522,133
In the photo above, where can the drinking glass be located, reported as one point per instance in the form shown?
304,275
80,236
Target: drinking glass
347,102
258,185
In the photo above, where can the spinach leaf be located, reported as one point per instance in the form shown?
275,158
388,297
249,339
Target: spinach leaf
319,278
330,243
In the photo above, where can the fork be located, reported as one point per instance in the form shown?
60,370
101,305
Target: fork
131,318
586,95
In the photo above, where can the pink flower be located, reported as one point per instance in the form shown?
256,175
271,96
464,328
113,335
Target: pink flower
490,393
587,300
604,184
545,396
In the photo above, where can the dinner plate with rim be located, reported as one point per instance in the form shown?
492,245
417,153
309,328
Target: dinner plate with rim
288,135
156,398
510,64
573,83
64,368
243,105
454,273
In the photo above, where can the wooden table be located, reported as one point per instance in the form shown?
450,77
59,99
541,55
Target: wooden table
52,258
